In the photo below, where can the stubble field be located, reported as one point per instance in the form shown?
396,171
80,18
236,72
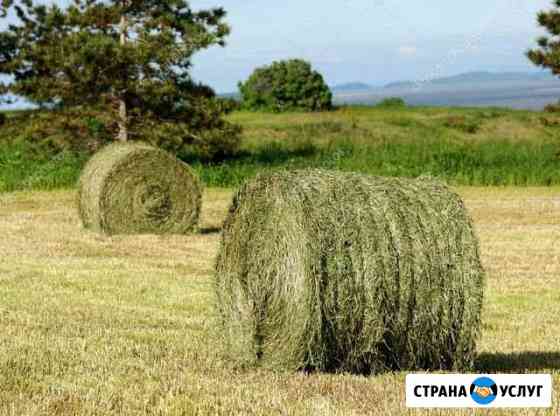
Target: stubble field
124,325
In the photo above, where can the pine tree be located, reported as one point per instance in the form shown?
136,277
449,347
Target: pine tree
547,55
131,57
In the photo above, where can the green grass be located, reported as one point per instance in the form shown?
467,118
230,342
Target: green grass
462,146
22,168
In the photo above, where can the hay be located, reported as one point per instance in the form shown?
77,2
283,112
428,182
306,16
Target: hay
134,188
330,271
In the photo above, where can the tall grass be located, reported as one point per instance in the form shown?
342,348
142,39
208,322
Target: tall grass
462,146
21,168
482,164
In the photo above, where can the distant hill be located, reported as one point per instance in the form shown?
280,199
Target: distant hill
521,90
351,87
477,76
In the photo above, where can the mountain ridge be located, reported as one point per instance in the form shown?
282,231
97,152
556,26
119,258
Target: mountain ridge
464,77
477,76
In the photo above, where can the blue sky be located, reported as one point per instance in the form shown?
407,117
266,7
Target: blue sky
373,41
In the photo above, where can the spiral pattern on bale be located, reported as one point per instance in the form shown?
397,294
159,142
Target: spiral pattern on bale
134,188
334,271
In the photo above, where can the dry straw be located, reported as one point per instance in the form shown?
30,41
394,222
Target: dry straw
335,271
133,188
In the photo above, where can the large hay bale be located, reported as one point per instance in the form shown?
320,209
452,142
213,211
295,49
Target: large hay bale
332,271
134,188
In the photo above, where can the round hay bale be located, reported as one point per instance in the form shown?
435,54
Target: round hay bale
333,271
134,188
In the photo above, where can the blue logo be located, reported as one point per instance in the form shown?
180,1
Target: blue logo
484,390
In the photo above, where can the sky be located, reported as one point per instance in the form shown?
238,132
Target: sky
372,41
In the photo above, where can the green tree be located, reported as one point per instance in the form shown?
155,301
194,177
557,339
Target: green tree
284,86
547,54
131,58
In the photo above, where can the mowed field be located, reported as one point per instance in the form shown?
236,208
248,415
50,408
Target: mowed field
125,325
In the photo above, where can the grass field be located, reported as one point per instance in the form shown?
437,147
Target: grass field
124,325
463,146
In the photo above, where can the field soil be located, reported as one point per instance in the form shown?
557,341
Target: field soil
125,325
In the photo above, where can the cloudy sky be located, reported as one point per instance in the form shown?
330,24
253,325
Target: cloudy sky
373,41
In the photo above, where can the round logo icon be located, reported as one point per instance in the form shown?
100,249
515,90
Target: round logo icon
484,390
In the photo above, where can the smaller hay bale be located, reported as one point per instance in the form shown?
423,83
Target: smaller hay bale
334,271
135,188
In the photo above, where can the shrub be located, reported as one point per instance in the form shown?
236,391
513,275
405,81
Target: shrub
552,108
133,188
228,104
286,86
192,141
333,271
53,131
392,102
205,135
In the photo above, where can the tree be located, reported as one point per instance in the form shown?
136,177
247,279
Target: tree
547,55
284,86
129,57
